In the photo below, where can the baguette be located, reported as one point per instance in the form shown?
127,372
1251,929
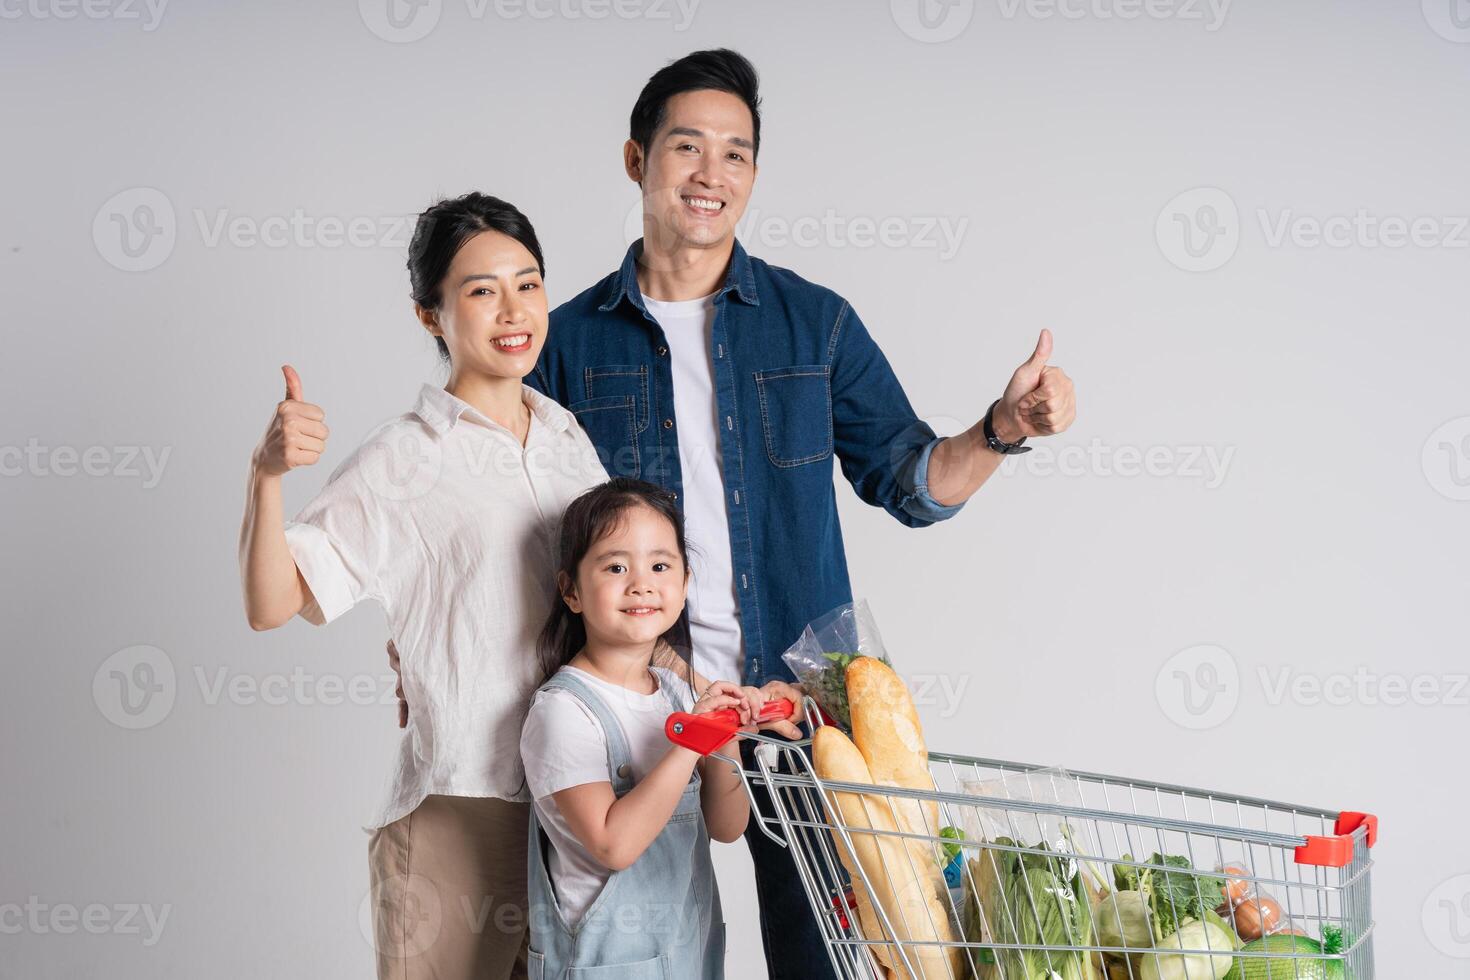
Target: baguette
885,727
906,883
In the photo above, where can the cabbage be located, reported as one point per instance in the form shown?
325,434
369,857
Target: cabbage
1191,966
1122,920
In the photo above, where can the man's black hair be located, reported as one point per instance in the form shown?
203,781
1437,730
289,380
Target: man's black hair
720,70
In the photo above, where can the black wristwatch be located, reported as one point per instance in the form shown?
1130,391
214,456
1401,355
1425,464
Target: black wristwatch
993,441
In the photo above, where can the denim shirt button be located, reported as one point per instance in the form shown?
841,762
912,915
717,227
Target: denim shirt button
668,423
663,351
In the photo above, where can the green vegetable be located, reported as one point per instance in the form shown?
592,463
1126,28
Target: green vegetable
1288,964
950,850
1196,935
1031,900
1123,920
1174,897
829,686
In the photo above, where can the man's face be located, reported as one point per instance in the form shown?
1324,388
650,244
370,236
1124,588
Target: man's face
698,172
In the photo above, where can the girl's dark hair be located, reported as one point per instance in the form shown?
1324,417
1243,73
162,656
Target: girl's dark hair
721,69
587,520
441,232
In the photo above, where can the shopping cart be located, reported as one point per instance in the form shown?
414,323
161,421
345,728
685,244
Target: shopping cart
1087,828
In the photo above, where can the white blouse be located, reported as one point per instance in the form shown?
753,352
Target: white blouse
448,522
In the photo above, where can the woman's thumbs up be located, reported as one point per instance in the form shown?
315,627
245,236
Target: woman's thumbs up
297,434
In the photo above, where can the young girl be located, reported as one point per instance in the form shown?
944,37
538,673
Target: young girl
445,516
621,877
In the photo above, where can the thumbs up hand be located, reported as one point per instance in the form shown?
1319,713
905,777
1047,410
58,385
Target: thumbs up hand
1039,400
297,436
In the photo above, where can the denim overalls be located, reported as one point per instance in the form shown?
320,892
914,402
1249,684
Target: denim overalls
657,920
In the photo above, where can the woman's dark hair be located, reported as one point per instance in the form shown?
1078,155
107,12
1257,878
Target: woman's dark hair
587,520
721,70
441,232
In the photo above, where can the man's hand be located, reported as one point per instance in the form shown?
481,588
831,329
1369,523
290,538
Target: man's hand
793,693
297,435
1038,401
398,690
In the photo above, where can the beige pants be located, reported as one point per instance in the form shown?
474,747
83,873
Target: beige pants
449,891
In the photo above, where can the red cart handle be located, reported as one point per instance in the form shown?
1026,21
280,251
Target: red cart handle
1336,851
707,732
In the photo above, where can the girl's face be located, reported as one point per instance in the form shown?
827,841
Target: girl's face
632,583
493,312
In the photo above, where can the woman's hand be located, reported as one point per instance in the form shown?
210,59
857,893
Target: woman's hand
297,435
789,727
723,694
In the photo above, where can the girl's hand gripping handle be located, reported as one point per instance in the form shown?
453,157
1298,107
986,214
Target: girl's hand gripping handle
707,732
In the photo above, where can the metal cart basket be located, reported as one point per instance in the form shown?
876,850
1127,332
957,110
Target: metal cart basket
1085,828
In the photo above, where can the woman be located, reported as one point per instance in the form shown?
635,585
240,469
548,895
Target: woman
447,517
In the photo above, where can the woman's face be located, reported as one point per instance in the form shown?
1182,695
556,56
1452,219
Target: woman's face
492,311
632,583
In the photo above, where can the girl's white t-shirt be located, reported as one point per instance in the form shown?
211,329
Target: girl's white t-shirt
563,745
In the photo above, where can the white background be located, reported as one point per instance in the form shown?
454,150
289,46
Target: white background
1058,137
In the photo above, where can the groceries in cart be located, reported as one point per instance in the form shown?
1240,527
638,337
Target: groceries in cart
922,865
827,647
897,879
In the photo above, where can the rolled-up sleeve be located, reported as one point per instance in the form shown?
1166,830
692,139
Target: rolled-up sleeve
334,541
884,447
916,501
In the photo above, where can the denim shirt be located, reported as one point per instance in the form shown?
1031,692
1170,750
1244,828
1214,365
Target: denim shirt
798,382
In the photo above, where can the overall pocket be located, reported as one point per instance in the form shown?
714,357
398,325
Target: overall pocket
610,422
645,970
796,413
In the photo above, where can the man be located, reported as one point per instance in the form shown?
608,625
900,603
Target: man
735,384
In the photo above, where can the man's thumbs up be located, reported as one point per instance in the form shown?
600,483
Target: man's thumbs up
297,435
293,383
1039,400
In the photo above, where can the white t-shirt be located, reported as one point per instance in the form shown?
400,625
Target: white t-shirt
563,746
714,613
448,522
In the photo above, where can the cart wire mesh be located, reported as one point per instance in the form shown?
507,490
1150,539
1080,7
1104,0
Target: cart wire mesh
1035,859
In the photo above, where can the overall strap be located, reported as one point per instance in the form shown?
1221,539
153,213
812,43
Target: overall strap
619,757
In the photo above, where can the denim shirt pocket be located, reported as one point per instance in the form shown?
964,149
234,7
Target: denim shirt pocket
631,380
611,423
796,413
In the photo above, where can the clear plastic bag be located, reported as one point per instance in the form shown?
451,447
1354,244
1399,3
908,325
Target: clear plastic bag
829,643
1252,911
1024,869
